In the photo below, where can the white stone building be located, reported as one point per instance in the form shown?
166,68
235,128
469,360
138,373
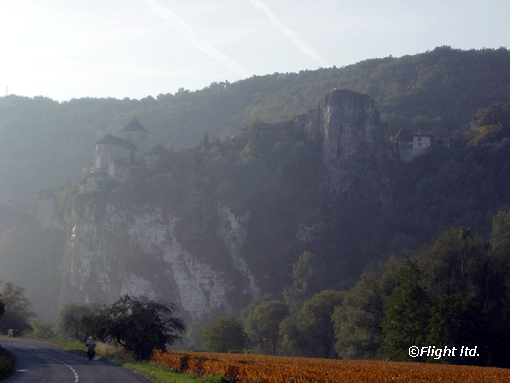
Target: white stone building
111,148
410,145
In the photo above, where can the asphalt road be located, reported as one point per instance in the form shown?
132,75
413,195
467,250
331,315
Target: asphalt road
41,362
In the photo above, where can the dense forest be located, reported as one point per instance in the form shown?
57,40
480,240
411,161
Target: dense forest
435,92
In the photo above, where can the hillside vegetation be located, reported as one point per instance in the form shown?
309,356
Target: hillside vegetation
276,174
45,143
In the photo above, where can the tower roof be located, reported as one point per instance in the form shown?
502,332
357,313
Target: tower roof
112,140
134,126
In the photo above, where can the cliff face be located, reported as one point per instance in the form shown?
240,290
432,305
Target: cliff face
117,248
354,145
124,249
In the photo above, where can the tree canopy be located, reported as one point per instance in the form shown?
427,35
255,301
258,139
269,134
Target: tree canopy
141,325
81,321
262,319
224,334
406,315
17,312
312,332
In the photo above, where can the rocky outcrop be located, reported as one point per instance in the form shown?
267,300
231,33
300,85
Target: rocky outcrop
353,142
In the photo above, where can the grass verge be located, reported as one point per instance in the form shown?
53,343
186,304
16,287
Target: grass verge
7,363
153,373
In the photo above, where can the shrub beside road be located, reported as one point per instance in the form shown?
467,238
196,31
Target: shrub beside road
7,363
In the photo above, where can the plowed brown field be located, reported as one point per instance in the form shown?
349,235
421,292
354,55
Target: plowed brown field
247,368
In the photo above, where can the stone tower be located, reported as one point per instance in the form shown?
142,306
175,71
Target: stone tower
137,134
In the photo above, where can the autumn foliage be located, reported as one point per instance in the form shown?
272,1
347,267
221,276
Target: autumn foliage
243,368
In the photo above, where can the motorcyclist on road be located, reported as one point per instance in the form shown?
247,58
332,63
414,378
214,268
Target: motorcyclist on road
91,345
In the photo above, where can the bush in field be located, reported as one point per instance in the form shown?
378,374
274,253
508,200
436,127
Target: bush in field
141,325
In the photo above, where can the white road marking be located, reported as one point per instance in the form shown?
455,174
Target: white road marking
76,377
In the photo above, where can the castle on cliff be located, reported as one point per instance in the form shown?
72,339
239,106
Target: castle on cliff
114,154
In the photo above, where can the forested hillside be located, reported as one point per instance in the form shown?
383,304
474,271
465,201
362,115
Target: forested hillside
45,143
274,173
277,174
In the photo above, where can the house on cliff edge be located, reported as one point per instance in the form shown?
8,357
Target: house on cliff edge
409,145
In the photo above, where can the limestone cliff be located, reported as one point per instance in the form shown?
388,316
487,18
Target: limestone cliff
120,248
353,141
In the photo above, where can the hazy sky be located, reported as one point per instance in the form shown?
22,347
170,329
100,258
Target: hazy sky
67,49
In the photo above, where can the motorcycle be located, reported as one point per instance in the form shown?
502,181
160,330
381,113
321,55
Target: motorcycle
91,345
90,353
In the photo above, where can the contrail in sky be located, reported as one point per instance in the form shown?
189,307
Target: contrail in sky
290,34
190,35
